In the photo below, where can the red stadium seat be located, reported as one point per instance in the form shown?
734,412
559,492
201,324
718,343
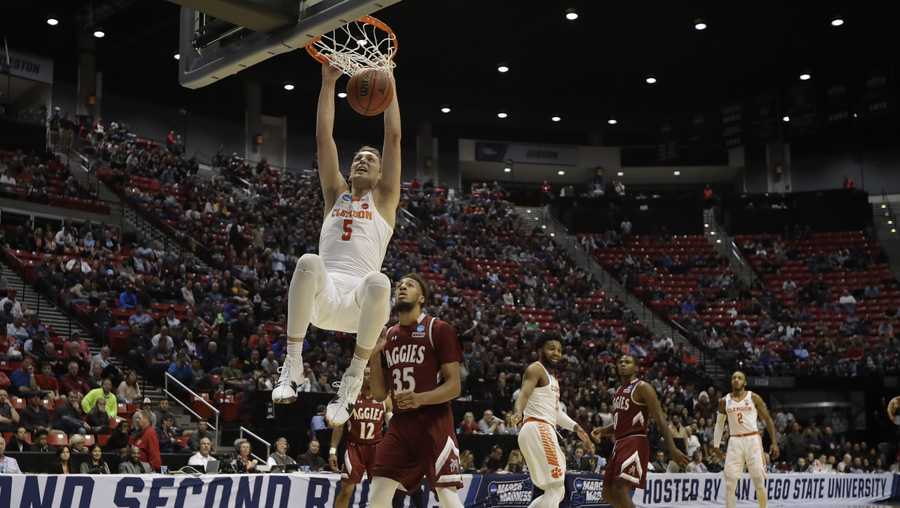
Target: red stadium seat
57,438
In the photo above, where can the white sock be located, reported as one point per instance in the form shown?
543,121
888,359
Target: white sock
295,353
357,367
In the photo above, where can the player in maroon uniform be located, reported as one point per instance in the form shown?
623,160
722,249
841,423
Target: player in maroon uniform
633,404
365,429
417,364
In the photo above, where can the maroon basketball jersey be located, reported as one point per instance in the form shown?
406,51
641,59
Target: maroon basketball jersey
366,422
414,355
629,417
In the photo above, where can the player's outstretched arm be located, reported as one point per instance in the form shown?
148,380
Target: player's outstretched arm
377,381
449,389
530,380
336,435
645,394
389,185
333,183
770,425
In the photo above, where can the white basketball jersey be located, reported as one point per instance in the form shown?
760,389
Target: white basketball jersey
741,415
354,237
544,401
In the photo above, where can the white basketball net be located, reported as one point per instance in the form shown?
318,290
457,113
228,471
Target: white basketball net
358,46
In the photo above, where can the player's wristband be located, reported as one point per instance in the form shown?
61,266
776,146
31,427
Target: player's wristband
332,451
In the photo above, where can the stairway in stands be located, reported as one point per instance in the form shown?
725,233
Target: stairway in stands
614,288
63,325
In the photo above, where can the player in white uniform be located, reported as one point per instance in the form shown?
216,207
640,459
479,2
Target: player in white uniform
538,403
745,447
342,288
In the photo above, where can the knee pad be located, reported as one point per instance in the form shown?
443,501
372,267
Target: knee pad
448,497
377,284
381,492
730,484
553,496
310,263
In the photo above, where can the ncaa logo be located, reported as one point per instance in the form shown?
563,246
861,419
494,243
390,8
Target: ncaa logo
420,328
346,197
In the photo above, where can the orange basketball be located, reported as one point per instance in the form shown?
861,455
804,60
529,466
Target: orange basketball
370,92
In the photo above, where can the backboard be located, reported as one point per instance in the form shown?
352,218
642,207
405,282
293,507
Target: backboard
218,38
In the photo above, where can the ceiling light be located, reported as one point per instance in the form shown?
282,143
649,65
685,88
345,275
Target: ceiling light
555,118
650,80
620,173
893,230
805,76
699,24
837,21
52,21
676,173
561,173
718,240
508,170
502,68
177,56
288,86
502,115
543,226
571,15
891,222
855,115
529,210
706,225
785,118
99,34
883,205
361,42
612,121
552,234
445,109
713,233
342,95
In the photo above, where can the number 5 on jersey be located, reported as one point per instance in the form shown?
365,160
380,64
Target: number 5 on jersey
404,381
348,230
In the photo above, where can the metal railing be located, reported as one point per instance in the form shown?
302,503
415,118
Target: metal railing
244,430
194,396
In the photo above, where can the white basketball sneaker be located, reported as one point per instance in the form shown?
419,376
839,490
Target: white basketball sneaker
338,411
289,380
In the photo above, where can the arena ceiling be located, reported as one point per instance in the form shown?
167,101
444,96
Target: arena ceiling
585,71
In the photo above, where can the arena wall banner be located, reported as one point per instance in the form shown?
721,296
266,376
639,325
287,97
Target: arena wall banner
677,490
488,491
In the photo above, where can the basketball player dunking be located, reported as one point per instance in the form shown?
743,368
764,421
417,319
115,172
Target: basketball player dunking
633,404
538,403
364,431
744,442
342,288
421,356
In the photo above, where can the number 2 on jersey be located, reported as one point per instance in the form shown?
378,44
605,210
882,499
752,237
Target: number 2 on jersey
366,430
348,230
404,381
740,417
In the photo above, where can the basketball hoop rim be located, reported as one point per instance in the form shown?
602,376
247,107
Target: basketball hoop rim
369,20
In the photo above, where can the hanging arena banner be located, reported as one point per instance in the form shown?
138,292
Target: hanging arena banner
482,491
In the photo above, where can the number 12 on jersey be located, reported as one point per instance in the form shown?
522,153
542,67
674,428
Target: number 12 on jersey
366,430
